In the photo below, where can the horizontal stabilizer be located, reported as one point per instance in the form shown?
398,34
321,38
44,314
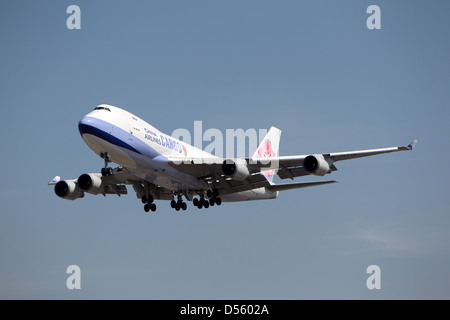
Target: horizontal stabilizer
288,186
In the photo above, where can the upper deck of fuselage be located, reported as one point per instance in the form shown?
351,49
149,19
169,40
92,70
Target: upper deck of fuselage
118,117
105,119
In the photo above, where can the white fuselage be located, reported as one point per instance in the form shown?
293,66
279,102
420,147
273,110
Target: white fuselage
144,150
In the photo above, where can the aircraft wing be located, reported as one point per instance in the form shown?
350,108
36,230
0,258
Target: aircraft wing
210,170
95,183
294,166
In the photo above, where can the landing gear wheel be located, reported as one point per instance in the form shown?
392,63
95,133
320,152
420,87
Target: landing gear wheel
153,207
215,193
147,199
195,202
209,194
212,202
206,204
146,207
106,171
173,203
184,206
218,201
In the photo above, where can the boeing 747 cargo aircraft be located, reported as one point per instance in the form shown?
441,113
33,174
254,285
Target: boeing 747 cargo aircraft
160,167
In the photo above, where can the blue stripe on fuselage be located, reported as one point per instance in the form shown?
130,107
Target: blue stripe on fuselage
115,135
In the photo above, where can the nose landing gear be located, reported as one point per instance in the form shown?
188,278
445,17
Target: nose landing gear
106,171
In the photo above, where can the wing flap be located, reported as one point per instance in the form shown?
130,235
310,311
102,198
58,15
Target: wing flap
198,167
292,172
227,185
118,189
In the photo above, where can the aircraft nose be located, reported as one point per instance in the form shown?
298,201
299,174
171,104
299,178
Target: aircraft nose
84,125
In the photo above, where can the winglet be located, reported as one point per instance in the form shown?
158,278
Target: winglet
412,144
409,146
54,181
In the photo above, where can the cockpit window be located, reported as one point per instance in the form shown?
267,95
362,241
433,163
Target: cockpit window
102,108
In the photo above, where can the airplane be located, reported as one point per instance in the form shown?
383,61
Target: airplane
160,167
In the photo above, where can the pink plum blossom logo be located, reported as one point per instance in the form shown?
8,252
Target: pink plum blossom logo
265,151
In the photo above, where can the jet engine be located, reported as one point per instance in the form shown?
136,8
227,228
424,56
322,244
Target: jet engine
316,164
68,189
91,183
236,169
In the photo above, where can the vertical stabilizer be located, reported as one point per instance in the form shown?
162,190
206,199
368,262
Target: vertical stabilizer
269,148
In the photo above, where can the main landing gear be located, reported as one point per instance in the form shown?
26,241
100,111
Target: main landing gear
213,196
179,204
147,199
148,203
106,171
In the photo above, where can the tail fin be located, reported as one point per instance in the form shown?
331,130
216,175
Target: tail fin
269,148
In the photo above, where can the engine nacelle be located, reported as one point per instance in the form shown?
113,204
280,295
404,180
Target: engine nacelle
91,183
236,169
316,164
68,189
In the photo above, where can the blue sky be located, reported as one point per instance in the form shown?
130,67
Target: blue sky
312,69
